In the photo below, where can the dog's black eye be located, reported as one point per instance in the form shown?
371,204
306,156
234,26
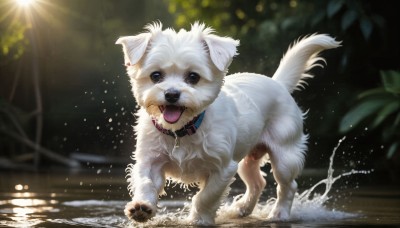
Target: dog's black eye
192,78
156,76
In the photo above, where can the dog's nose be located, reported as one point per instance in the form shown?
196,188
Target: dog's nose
172,95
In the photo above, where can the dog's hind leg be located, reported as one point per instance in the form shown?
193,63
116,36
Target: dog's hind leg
286,163
249,172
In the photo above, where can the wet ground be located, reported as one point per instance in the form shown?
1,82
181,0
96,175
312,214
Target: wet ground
96,198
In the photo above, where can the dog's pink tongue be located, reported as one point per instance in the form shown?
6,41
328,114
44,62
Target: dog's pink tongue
172,113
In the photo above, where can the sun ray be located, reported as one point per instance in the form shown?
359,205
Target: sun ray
7,13
68,12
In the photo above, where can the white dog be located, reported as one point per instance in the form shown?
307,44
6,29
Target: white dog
197,126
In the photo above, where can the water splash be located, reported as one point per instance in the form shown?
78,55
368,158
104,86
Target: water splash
307,206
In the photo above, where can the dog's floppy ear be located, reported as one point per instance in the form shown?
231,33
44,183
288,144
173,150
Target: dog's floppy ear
134,47
222,50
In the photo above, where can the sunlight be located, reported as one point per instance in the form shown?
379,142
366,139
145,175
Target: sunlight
25,3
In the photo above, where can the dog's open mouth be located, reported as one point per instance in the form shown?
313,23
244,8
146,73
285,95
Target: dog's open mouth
172,113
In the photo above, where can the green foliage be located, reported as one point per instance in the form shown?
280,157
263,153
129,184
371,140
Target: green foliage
355,13
13,41
381,108
271,25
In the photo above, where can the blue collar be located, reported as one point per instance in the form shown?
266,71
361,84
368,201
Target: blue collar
189,129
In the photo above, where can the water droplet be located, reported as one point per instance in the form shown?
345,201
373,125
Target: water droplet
110,120
98,171
98,127
104,110
105,91
84,119
81,183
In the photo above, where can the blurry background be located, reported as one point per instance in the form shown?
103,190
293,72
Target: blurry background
65,99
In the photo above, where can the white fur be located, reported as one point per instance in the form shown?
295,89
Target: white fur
249,118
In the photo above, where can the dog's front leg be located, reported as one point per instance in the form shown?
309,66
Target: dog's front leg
207,201
146,182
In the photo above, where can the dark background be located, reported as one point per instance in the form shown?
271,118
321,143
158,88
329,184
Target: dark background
65,98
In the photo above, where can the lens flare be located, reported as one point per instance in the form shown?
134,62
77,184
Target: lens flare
25,3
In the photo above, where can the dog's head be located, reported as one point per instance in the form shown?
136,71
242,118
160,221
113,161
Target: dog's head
176,75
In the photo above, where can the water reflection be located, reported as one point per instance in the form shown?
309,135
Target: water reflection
20,187
25,209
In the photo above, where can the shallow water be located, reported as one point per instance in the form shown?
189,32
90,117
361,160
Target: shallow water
50,201
96,198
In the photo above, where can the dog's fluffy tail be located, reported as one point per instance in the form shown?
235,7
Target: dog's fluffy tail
301,57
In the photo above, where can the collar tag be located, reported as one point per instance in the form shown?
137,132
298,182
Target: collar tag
177,141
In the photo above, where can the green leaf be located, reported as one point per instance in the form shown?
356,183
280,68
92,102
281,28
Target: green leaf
392,149
385,112
360,112
391,81
333,7
348,19
366,27
373,92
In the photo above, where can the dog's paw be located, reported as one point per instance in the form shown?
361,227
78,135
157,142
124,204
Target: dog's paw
279,214
197,220
139,211
241,208
244,211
